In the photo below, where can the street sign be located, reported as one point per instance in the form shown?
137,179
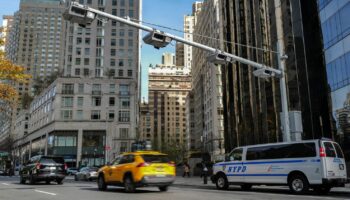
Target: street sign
108,148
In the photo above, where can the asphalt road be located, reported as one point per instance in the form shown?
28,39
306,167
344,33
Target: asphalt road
10,189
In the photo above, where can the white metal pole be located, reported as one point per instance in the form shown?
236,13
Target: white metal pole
282,64
182,40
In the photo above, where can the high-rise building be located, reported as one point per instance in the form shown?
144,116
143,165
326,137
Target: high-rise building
145,125
189,23
251,105
207,131
90,114
168,59
168,88
179,54
7,22
35,41
334,17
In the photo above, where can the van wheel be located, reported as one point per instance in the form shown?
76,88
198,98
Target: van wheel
221,182
101,183
298,184
246,187
322,189
129,185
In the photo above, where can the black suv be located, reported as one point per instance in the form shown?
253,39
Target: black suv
43,168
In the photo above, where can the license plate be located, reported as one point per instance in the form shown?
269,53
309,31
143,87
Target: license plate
341,166
160,175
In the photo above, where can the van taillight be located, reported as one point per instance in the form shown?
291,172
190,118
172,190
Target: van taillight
142,164
322,152
38,166
65,166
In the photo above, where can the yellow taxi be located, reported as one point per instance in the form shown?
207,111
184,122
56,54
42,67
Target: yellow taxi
138,169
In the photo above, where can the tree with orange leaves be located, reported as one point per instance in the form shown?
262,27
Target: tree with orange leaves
9,75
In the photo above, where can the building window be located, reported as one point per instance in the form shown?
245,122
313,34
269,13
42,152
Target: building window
79,114
86,61
121,42
95,114
96,89
124,102
123,147
78,51
80,102
67,88
79,40
120,73
77,61
111,101
98,72
77,71
81,88
124,133
121,63
66,114
96,101
86,72
87,51
113,52
87,41
124,89
131,3
114,32
111,114
112,63
124,116
114,2
113,42
112,88
114,11
67,102
130,73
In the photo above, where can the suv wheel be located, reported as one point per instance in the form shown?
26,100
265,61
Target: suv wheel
47,182
129,184
221,182
298,184
31,179
163,188
101,183
59,181
22,180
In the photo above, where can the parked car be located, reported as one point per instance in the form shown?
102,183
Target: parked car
72,171
86,173
43,168
138,169
2,172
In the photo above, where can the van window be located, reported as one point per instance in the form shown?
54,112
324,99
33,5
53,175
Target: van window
339,151
330,151
236,155
299,150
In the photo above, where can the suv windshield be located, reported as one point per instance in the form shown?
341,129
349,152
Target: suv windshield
155,158
57,160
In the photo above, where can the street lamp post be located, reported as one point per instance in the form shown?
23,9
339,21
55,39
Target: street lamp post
84,15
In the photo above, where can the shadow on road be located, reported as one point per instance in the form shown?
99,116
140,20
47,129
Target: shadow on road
121,190
271,190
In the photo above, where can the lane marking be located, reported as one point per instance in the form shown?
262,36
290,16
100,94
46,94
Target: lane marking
5,184
53,194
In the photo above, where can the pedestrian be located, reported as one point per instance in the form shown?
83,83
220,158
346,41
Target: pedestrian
204,173
186,170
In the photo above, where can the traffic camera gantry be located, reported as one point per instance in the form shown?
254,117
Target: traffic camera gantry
84,15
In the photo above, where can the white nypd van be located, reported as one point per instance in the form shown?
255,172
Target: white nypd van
316,164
